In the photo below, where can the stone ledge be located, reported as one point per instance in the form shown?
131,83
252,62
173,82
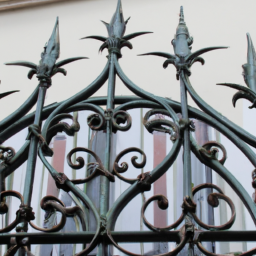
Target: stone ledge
6,5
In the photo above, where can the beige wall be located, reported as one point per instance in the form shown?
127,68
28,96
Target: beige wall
24,32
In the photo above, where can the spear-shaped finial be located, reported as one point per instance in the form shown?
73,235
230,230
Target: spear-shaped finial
116,30
249,75
47,65
251,56
53,45
116,27
182,44
182,28
250,67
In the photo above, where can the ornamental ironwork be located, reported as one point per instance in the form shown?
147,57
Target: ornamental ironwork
115,117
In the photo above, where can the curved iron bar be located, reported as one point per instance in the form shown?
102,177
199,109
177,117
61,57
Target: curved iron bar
158,124
208,151
82,95
21,155
6,153
21,111
15,162
48,204
227,176
97,167
206,185
141,185
195,113
141,93
28,119
243,93
246,136
163,205
124,166
184,240
169,159
57,126
4,209
121,117
64,183
205,252
176,106
213,200
135,189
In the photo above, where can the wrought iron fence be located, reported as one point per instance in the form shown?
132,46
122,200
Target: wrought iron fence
114,117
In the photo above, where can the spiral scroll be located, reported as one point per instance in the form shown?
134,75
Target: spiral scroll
20,214
52,204
6,154
124,166
121,117
160,124
210,150
162,202
96,121
57,126
213,200
95,168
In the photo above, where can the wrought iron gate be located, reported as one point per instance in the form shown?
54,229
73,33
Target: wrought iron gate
114,117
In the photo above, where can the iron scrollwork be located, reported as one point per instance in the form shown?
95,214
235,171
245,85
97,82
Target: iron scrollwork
112,119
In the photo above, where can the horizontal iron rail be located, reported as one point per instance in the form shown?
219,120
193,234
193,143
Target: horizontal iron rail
86,237
128,237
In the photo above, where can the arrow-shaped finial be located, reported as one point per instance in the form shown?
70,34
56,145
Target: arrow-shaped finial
250,67
47,65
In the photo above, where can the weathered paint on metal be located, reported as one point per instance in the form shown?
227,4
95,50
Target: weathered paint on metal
114,119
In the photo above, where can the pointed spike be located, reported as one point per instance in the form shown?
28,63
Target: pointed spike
239,87
31,73
2,95
127,44
160,54
22,63
118,15
107,26
100,38
62,71
241,95
181,16
251,55
133,35
66,61
235,86
167,62
103,46
201,51
53,45
105,23
127,21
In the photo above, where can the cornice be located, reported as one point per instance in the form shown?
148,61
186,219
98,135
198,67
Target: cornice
6,5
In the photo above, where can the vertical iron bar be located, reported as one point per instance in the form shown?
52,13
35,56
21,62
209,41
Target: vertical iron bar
110,105
29,179
75,115
187,181
104,182
143,198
